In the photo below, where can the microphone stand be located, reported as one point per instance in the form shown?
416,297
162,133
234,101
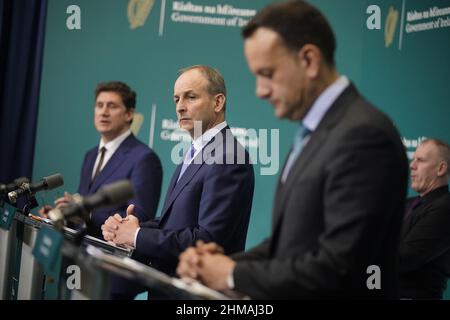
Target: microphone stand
30,203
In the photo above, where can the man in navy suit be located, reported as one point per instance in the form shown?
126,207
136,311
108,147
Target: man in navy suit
210,194
124,157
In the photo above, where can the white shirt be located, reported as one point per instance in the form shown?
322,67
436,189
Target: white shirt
111,147
206,137
324,102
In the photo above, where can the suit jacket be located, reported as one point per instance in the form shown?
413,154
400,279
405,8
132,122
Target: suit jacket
425,247
211,201
338,212
135,161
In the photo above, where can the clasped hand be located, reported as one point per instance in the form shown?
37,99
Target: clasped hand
206,263
121,231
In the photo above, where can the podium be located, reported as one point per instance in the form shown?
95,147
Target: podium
95,280
95,261
21,275
97,266
6,249
29,278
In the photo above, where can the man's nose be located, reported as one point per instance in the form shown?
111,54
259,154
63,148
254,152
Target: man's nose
180,106
104,111
262,88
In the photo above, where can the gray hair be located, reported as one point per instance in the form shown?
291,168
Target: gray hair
216,83
443,151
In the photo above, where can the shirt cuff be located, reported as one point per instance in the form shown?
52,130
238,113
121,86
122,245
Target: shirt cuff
230,280
135,236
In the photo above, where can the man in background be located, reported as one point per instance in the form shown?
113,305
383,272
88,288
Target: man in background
425,242
119,155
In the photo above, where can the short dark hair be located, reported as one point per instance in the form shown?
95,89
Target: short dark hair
298,23
128,96
216,83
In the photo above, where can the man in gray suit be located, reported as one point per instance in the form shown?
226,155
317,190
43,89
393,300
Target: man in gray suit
339,201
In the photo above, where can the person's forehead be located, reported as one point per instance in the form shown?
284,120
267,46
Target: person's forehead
262,52
264,39
109,96
190,80
427,148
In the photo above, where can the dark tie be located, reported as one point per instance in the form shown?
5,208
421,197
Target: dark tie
412,206
189,155
302,132
100,163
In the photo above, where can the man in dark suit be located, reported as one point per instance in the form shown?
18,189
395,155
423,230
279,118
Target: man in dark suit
210,195
118,156
425,242
124,157
339,201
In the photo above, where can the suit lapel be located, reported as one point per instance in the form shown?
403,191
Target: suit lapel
411,219
299,166
114,162
406,226
175,187
279,193
174,179
317,139
86,177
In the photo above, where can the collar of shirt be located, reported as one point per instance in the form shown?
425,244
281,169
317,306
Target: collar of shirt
111,147
206,137
115,143
324,102
434,194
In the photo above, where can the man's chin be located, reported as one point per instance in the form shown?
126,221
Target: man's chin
185,127
102,129
280,114
285,116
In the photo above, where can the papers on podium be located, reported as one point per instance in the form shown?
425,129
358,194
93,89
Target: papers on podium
89,240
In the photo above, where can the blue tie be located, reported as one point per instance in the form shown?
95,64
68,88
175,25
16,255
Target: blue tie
302,132
187,159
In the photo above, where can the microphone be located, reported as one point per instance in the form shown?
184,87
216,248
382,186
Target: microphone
6,188
116,193
47,183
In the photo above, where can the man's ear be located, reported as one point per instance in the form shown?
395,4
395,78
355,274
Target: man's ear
219,102
310,58
129,114
442,169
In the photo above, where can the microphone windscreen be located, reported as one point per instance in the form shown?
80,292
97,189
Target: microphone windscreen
118,192
21,180
54,181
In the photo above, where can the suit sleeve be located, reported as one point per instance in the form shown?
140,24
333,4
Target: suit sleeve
357,206
226,196
146,179
258,252
427,240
